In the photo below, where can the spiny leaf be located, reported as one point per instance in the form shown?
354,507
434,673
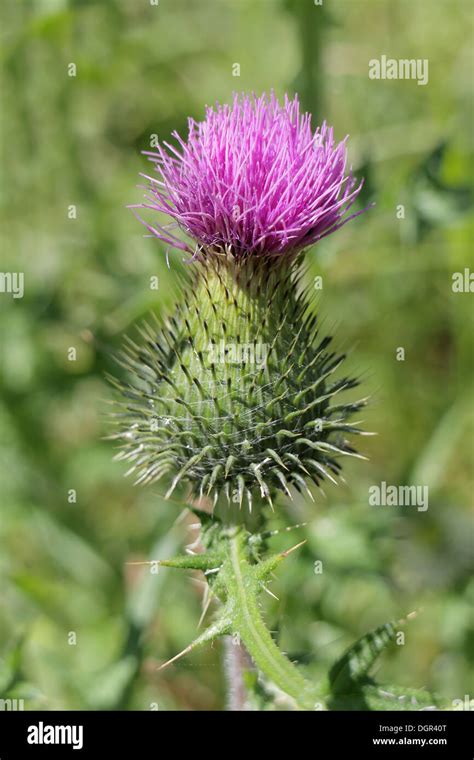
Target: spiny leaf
186,562
221,626
352,669
266,566
356,662
370,696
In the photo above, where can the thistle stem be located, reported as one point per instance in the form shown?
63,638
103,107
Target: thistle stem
243,589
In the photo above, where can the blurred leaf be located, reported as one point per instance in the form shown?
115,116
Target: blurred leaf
144,599
10,666
435,203
430,467
106,689
71,551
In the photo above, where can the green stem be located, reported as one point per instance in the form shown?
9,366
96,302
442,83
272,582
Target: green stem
243,589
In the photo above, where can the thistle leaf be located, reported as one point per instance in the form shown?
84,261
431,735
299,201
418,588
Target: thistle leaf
351,688
355,663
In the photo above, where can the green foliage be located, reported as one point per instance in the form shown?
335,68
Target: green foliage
237,576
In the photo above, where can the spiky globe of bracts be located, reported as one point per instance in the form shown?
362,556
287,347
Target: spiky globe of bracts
237,394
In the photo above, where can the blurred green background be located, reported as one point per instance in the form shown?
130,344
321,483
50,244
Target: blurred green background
80,628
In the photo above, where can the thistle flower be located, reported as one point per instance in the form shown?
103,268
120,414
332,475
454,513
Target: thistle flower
236,393
252,179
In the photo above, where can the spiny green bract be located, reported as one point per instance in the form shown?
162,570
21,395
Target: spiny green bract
235,393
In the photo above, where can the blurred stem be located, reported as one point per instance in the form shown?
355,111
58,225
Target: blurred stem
236,662
310,19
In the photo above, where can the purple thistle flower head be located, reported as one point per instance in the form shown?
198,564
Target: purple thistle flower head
252,179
